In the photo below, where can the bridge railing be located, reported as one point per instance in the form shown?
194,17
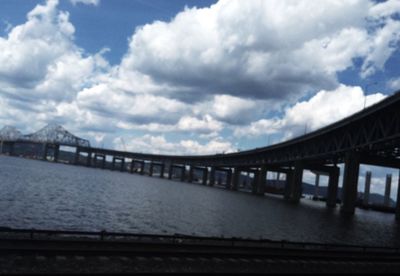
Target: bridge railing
35,234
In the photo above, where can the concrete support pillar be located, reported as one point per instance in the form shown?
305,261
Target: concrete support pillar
387,189
333,185
316,191
190,179
235,179
132,165
367,188
261,180
45,151
183,172
12,149
297,182
278,176
89,159
205,176
56,152
170,171
398,199
212,176
142,164
228,179
77,153
151,169
103,160
162,167
288,183
113,164
254,182
122,165
350,182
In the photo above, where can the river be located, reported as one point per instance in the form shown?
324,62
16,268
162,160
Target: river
45,195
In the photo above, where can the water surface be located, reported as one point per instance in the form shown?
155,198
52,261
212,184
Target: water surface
44,195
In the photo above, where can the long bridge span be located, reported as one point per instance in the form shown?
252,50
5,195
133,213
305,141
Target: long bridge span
371,136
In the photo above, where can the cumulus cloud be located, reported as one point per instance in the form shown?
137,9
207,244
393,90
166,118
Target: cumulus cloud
159,145
263,49
86,2
324,108
40,60
187,124
394,84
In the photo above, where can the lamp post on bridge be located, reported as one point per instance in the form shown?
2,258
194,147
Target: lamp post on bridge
366,92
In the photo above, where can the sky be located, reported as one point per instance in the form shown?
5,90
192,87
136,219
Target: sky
194,77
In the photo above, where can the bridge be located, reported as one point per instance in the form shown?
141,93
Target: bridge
371,136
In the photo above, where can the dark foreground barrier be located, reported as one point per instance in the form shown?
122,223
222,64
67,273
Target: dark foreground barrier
44,251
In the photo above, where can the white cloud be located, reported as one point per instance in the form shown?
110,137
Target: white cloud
159,145
262,49
234,109
40,60
86,2
394,84
205,125
385,9
385,42
187,124
324,108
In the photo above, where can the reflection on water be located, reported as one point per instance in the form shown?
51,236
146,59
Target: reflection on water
44,195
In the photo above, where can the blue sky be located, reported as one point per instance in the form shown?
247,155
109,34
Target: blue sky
193,77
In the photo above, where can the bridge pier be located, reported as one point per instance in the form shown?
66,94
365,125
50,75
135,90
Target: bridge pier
288,183
350,182
296,182
77,153
142,164
183,173
170,171
398,199
387,190
102,158
205,176
367,188
56,152
132,169
235,179
333,184
316,190
190,178
12,149
89,159
151,169
45,151
255,180
261,180
162,168
228,179
122,159
212,177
